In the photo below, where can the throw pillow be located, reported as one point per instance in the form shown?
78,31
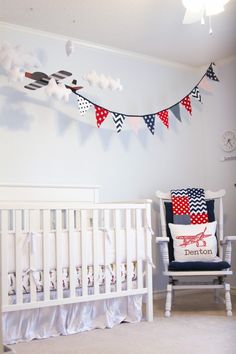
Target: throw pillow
194,242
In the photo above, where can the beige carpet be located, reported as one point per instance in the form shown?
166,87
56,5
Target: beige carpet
197,326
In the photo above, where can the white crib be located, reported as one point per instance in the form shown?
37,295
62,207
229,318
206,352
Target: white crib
61,250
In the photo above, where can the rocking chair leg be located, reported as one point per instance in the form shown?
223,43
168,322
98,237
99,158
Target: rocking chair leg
168,300
216,296
228,300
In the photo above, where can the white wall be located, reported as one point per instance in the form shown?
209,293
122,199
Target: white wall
47,142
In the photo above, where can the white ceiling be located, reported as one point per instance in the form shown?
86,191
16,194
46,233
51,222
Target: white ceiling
150,27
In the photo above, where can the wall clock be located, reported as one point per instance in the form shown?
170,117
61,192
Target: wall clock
228,140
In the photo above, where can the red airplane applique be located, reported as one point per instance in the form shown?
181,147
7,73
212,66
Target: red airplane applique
42,79
197,239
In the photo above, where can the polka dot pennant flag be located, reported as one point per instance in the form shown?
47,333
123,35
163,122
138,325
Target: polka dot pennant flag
187,104
101,115
83,105
150,122
163,115
118,120
196,94
210,74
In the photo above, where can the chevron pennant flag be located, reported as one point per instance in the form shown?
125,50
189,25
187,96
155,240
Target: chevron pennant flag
210,74
196,94
118,120
101,115
176,111
150,122
187,104
163,115
189,206
83,105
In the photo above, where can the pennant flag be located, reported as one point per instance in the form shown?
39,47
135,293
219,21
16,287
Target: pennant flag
196,94
118,120
134,123
83,105
210,74
163,115
176,111
205,84
150,122
101,115
187,104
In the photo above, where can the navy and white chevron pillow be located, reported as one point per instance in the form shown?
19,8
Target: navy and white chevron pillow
189,206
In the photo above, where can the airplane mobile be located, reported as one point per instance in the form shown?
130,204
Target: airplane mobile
42,79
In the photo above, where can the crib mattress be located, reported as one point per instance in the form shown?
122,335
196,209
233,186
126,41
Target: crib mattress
38,278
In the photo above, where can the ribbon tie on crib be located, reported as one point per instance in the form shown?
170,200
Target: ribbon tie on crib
33,272
30,239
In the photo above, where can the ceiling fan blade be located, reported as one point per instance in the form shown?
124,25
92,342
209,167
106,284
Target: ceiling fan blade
193,16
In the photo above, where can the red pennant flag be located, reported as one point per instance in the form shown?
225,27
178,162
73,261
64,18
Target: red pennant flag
101,115
187,104
163,115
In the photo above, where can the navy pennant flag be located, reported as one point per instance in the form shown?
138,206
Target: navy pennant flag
196,94
150,122
176,111
83,105
118,120
211,75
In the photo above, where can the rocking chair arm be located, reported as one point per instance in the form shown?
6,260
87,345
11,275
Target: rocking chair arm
228,239
162,239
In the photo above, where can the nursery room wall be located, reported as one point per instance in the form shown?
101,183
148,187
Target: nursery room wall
45,141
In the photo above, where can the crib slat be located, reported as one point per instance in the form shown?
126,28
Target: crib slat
84,252
34,219
128,251
106,251
59,254
95,252
138,250
4,255
117,245
71,231
46,246
18,252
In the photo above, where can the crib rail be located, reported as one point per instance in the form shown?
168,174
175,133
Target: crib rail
71,237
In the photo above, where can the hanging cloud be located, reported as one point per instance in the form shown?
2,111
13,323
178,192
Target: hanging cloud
102,81
58,91
15,61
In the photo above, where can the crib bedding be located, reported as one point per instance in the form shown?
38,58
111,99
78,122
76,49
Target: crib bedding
32,243
38,278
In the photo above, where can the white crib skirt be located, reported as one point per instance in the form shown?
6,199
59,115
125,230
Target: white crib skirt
21,326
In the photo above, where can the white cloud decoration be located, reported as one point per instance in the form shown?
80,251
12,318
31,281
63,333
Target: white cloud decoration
58,91
69,47
15,61
102,81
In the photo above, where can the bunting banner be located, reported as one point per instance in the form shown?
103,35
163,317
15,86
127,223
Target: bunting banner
150,118
101,113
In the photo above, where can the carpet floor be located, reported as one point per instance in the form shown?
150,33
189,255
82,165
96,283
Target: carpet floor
197,326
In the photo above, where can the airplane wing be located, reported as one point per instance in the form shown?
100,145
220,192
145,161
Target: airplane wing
42,79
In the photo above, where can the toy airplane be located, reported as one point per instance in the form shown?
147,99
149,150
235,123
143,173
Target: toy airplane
42,79
198,239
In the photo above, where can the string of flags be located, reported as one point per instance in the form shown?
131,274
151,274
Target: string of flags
101,113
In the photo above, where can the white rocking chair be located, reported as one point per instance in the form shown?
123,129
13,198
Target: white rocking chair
179,271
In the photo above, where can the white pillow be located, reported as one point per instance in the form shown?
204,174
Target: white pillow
195,242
